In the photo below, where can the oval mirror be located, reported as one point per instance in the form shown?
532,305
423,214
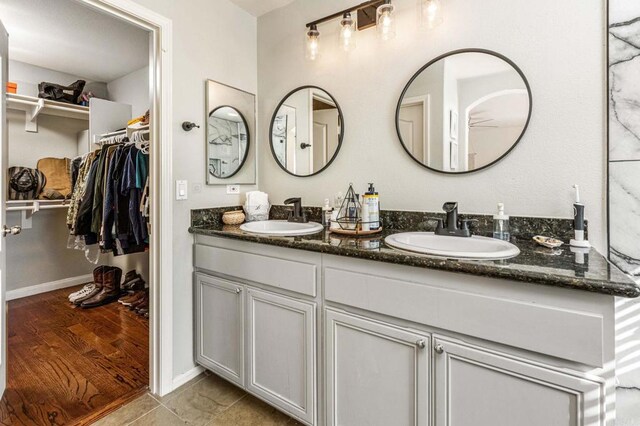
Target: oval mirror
306,131
463,111
227,141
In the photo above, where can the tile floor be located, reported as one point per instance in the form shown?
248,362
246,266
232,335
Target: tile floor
206,400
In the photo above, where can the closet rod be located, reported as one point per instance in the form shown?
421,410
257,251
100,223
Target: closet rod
34,208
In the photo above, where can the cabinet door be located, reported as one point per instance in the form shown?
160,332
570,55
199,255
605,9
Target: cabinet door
475,387
376,374
220,327
282,364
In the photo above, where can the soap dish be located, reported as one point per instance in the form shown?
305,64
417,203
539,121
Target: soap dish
547,241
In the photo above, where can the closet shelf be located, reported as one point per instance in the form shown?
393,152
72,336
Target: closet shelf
34,107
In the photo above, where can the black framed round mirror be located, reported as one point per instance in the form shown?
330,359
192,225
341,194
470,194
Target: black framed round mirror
228,141
463,111
306,131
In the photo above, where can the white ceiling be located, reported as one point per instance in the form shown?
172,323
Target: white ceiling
260,7
65,36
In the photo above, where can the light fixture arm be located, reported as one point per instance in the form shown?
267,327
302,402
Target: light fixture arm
371,4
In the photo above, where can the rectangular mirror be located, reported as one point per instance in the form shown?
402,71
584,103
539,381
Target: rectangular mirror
230,129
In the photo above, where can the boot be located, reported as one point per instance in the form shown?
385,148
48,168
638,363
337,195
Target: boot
98,278
110,289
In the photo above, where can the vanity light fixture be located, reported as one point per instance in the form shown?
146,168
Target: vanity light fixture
385,21
312,45
430,13
347,32
378,13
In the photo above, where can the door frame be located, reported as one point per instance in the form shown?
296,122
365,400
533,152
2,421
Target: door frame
160,185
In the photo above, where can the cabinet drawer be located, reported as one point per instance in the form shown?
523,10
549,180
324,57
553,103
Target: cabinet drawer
299,277
552,330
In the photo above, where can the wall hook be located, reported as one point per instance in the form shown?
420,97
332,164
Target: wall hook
305,145
187,126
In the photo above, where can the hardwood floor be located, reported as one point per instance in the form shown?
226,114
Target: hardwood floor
70,366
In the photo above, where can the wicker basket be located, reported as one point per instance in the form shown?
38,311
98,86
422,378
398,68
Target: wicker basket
235,217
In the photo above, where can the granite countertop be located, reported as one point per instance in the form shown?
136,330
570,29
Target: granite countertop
535,264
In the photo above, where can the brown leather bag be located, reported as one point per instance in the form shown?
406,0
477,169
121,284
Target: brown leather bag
58,174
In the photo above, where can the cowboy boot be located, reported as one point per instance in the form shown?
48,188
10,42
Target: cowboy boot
110,289
98,278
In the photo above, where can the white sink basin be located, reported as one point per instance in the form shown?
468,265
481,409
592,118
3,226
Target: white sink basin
281,227
474,247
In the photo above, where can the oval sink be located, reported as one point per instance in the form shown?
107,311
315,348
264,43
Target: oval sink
281,227
475,247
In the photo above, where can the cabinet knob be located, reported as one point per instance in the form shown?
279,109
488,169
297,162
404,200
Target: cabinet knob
438,348
421,344
238,290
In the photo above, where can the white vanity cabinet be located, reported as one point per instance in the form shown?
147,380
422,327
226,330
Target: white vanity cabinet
282,365
338,341
376,374
219,327
474,386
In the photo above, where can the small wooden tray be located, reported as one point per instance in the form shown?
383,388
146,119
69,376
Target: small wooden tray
355,232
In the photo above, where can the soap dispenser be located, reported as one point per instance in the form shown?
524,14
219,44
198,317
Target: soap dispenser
501,224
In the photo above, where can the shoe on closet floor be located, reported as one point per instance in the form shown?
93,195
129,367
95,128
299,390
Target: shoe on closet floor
138,303
98,278
110,289
88,288
129,299
133,281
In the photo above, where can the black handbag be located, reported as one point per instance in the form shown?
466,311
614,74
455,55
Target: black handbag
25,183
60,93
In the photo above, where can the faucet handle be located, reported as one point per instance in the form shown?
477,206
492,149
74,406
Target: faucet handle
465,222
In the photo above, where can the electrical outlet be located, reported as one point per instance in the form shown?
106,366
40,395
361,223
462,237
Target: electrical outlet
197,188
233,189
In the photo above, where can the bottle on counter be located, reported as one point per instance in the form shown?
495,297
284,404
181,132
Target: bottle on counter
501,224
372,200
327,211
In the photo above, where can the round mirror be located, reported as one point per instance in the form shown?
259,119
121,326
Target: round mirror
463,111
227,142
306,131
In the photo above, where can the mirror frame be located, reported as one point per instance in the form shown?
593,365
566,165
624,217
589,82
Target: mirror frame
246,151
273,119
451,53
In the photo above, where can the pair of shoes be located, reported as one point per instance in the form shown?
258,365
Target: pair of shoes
96,288
84,291
141,305
133,281
131,298
110,291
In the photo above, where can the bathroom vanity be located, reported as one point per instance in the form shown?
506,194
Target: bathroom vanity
359,334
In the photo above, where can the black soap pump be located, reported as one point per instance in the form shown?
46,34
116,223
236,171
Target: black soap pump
578,223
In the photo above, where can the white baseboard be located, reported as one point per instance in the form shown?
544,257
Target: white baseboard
185,377
50,286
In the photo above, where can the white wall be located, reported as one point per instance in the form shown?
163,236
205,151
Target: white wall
215,40
132,89
28,76
560,50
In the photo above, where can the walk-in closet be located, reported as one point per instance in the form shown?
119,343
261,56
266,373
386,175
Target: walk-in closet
79,144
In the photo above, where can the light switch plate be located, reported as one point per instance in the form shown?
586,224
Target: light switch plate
233,189
181,190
